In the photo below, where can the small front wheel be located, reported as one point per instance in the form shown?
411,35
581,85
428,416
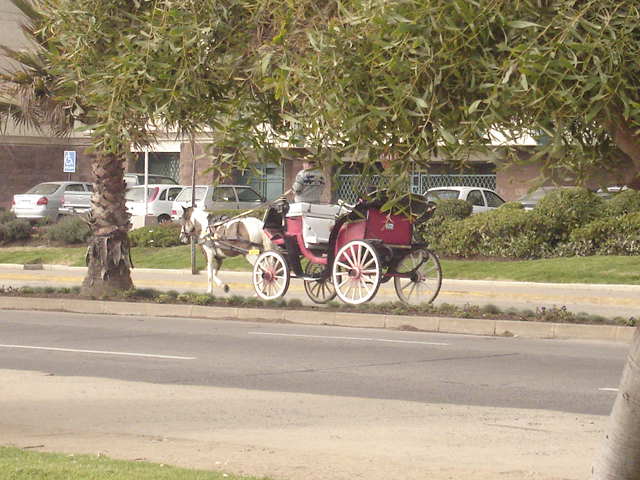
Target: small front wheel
271,275
420,277
321,290
356,272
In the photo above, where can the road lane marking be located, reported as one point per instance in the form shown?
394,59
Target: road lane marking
608,389
364,339
101,352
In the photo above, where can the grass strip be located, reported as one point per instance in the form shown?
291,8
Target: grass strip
17,464
618,270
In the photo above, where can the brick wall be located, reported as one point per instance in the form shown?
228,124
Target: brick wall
24,165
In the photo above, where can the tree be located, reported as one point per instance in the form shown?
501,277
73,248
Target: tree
130,68
417,79
439,77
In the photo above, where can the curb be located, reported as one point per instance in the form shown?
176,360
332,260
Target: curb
468,326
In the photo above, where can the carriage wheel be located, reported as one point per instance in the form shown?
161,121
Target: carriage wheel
422,285
319,291
271,275
356,272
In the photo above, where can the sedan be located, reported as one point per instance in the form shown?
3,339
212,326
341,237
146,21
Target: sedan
159,201
45,199
481,199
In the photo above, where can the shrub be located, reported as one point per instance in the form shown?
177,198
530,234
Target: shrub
6,216
503,232
161,235
624,202
452,209
514,205
569,208
69,230
16,230
606,236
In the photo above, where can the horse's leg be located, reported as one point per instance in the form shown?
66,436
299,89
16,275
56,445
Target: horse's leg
210,255
219,282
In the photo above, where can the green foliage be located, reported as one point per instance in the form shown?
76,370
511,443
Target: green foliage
508,233
452,210
606,236
624,202
569,208
6,216
161,235
15,231
512,205
69,230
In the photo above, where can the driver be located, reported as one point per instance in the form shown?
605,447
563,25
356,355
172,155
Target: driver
309,183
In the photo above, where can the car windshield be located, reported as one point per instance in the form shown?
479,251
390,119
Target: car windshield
185,195
247,195
435,195
136,194
44,189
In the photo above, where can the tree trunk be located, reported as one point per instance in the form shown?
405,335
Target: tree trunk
108,255
620,455
628,140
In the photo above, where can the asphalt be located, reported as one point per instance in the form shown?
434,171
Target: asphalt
609,300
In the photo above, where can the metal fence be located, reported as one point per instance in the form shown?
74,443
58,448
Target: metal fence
350,187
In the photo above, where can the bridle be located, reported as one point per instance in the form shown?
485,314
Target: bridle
189,227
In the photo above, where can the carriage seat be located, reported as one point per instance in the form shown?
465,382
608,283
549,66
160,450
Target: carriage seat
317,220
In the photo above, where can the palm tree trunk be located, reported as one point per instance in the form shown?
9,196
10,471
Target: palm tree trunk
108,255
620,455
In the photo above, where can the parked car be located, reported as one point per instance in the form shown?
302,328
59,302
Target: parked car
45,199
481,199
221,197
132,179
75,202
159,200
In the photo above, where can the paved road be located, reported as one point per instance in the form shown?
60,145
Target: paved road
412,366
606,300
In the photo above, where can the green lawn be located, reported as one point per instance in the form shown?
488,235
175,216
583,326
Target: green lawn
16,464
613,270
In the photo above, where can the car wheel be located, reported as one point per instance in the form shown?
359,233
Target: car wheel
164,219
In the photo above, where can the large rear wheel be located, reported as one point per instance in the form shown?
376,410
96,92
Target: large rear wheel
356,272
271,275
421,277
319,291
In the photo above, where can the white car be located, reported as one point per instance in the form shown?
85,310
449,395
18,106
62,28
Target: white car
159,200
221,197
481,199
45,199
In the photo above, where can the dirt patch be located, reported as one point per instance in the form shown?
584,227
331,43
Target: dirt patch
293,436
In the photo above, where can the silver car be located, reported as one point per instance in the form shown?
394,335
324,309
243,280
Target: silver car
221,197
45,199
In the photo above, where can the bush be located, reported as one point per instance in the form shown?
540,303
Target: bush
513,205
624,202
503,232
16,230
69,230
161,235
569,208
6,216
608,236
452,209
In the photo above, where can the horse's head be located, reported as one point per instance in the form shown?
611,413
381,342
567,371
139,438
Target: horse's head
189,226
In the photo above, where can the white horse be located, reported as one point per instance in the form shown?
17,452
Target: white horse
220,239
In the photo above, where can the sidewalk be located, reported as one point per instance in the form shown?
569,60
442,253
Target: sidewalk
470,292
604,300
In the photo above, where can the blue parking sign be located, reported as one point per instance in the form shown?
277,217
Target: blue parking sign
69,161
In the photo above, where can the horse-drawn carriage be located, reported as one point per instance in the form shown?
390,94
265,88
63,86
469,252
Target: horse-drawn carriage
346,250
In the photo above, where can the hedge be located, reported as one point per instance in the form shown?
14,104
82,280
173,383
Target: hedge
161,235
69,230
607,236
